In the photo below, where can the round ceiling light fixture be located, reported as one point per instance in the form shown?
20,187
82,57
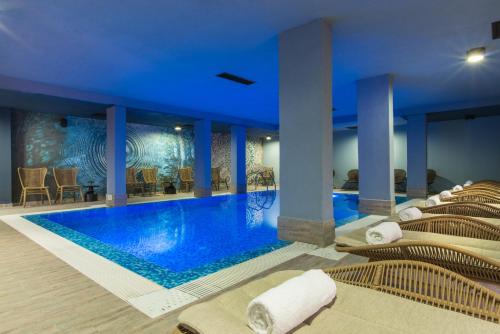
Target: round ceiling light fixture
476,55
268,138
177,128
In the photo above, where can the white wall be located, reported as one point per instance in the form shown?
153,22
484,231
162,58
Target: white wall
464,149
345,152
458,150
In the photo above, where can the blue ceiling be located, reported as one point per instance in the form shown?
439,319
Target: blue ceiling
169,52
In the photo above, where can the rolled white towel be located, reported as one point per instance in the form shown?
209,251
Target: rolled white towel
284,307
433,201
383,233
410,214
445,194
457,188
468,183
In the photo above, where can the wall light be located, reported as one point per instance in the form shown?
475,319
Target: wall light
476,55
177,128
268,138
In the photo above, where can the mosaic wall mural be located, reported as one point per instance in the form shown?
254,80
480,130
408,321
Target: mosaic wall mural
40,140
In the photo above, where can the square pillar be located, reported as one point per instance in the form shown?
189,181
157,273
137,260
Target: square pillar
202,158
116,131
416,138
5,158
305,102
238,160
375,145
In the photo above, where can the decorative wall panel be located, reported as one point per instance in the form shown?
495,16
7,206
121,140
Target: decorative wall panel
40,140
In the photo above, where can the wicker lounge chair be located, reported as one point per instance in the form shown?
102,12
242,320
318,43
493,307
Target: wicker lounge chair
454,225
33,183
186,178
133,185
472,209
217,178
431,176
475,258
474,196
150,177
265,177
478,190
66,183
379,297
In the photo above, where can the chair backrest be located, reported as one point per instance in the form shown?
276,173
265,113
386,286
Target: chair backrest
131,175
431,175
267,172
32,177
65,176
186,174
216,174
399,175
149,174
353,175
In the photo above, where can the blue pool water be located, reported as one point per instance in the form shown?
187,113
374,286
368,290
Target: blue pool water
174,242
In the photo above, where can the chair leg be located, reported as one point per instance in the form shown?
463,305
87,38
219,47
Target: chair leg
48,196
62,194
24,198
21,197
81,195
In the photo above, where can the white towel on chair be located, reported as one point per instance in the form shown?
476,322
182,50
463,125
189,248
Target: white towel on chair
445,194
410,214
383,233
284,307
457,188
433,201
468,183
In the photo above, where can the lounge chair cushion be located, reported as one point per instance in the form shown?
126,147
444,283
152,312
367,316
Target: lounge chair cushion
355,310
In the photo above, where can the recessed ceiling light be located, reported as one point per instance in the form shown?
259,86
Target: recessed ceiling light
177,128
476,55
268,138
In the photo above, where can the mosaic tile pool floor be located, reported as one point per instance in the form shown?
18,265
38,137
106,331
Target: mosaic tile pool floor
174,242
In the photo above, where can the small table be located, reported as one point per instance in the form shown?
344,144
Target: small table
91,195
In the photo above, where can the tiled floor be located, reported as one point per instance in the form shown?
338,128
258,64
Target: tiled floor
42,294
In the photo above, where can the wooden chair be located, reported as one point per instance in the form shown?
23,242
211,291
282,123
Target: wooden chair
33,183
66,183
186,177
217,178
150,176
431,176
400,180
132,183
265,177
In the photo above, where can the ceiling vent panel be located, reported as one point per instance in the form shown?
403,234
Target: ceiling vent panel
495,30
235,78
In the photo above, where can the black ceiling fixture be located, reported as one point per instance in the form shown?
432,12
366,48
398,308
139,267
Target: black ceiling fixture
495,30
235,78
469,117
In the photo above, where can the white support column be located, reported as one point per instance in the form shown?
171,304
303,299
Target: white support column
202,158
238,160
375,145
305,93
5,158
116,131
416,138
